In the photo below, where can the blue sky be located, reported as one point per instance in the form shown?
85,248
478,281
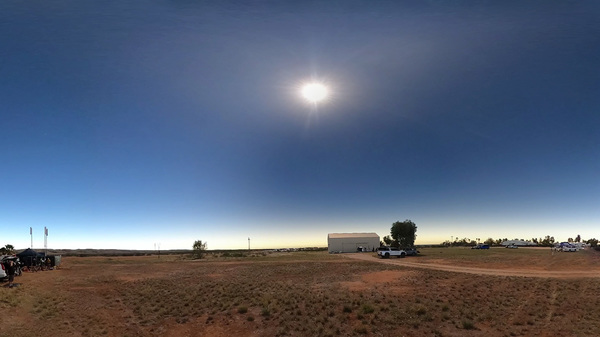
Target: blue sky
123,125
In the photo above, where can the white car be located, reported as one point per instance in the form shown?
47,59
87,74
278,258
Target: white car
3,274
386,252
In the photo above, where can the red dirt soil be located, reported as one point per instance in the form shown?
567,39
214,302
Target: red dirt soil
523,271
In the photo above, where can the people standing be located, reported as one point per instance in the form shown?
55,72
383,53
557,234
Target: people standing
10,271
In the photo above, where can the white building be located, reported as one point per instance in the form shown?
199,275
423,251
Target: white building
352,242
518,243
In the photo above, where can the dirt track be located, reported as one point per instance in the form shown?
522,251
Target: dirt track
562,274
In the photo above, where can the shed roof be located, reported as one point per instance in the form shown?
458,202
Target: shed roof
352,235
518,243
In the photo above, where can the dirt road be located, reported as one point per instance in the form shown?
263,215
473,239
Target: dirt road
521,272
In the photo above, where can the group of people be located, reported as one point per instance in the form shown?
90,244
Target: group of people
37,264
13,266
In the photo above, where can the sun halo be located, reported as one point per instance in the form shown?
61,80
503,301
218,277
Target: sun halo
314,92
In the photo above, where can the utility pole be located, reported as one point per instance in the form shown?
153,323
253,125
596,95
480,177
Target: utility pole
248,244
31,235
45,240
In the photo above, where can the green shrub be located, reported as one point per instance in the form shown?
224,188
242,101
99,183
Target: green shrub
468,325
367,309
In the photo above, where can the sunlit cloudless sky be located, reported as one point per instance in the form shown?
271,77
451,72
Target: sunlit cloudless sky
126,124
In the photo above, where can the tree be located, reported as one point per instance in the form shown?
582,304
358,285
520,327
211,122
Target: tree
592,242
199,248
548,241
7,250
578,238
387,240
404,233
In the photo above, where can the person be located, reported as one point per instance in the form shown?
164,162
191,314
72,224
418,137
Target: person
10,271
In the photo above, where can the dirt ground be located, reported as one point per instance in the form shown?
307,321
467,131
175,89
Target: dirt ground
546,265
440,293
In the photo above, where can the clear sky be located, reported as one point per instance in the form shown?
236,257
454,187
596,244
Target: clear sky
129,123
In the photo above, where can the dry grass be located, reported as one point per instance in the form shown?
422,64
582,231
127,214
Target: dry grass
539,258
309,294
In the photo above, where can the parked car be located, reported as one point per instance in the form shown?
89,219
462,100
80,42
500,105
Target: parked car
386,252
512,246
481,247
15,259
568,249
411,251
3,274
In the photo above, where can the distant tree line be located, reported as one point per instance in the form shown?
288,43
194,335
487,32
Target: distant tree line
403,235
547,241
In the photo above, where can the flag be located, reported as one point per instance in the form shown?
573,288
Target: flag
46,231
30,231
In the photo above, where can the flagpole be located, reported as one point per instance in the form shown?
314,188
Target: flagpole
45,241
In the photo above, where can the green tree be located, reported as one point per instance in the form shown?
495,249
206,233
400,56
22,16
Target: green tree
199,249
548,241
7,250
592,242
387,240
404,233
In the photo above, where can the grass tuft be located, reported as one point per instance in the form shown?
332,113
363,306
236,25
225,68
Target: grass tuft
468,325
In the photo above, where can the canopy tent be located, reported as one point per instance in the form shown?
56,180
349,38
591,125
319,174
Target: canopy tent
28,257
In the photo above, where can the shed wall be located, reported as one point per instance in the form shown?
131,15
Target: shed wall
350,245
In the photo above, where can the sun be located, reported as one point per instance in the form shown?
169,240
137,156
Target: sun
314,92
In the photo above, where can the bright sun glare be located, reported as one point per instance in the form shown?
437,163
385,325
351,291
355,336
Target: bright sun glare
314,92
